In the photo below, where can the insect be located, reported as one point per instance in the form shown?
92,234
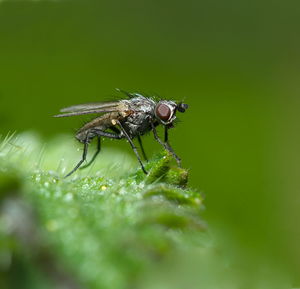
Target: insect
125,119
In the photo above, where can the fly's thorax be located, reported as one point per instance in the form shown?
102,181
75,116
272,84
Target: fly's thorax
140,104
137,123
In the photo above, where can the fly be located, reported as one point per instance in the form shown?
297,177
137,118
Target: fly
125,119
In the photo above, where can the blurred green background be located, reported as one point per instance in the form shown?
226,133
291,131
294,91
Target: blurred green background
236,63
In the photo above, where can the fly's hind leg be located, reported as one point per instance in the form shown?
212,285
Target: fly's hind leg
85,149
95,154
101,133
90,135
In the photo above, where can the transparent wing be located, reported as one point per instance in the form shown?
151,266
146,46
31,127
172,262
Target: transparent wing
89,108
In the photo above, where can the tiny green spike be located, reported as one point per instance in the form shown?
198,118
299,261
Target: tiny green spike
160,167
100,220
177,176
179,196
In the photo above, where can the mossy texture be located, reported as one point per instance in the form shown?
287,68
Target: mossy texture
104,227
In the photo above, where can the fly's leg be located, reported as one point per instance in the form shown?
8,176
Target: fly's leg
166,135
142,148
115,129
86,143
166,144
85,149
132,146
99,146
95,155
170,149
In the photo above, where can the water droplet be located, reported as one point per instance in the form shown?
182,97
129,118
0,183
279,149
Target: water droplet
69,197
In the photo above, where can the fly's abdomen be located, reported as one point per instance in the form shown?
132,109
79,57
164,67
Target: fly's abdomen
102,123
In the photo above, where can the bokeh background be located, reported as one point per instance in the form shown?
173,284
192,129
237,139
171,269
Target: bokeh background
236,63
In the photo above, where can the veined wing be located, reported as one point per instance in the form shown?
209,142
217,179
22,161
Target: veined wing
90,108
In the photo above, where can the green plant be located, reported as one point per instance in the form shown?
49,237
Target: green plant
100,230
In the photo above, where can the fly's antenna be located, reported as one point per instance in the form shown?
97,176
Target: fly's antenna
181,107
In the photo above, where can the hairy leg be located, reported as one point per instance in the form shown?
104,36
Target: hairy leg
142,148
93,132
166,144
95,154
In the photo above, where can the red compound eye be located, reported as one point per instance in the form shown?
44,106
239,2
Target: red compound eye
163,111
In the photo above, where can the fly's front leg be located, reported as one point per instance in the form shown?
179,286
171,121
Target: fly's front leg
169,146
132,146
166,144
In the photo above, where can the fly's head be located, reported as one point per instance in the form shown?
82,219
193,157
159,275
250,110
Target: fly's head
165,111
